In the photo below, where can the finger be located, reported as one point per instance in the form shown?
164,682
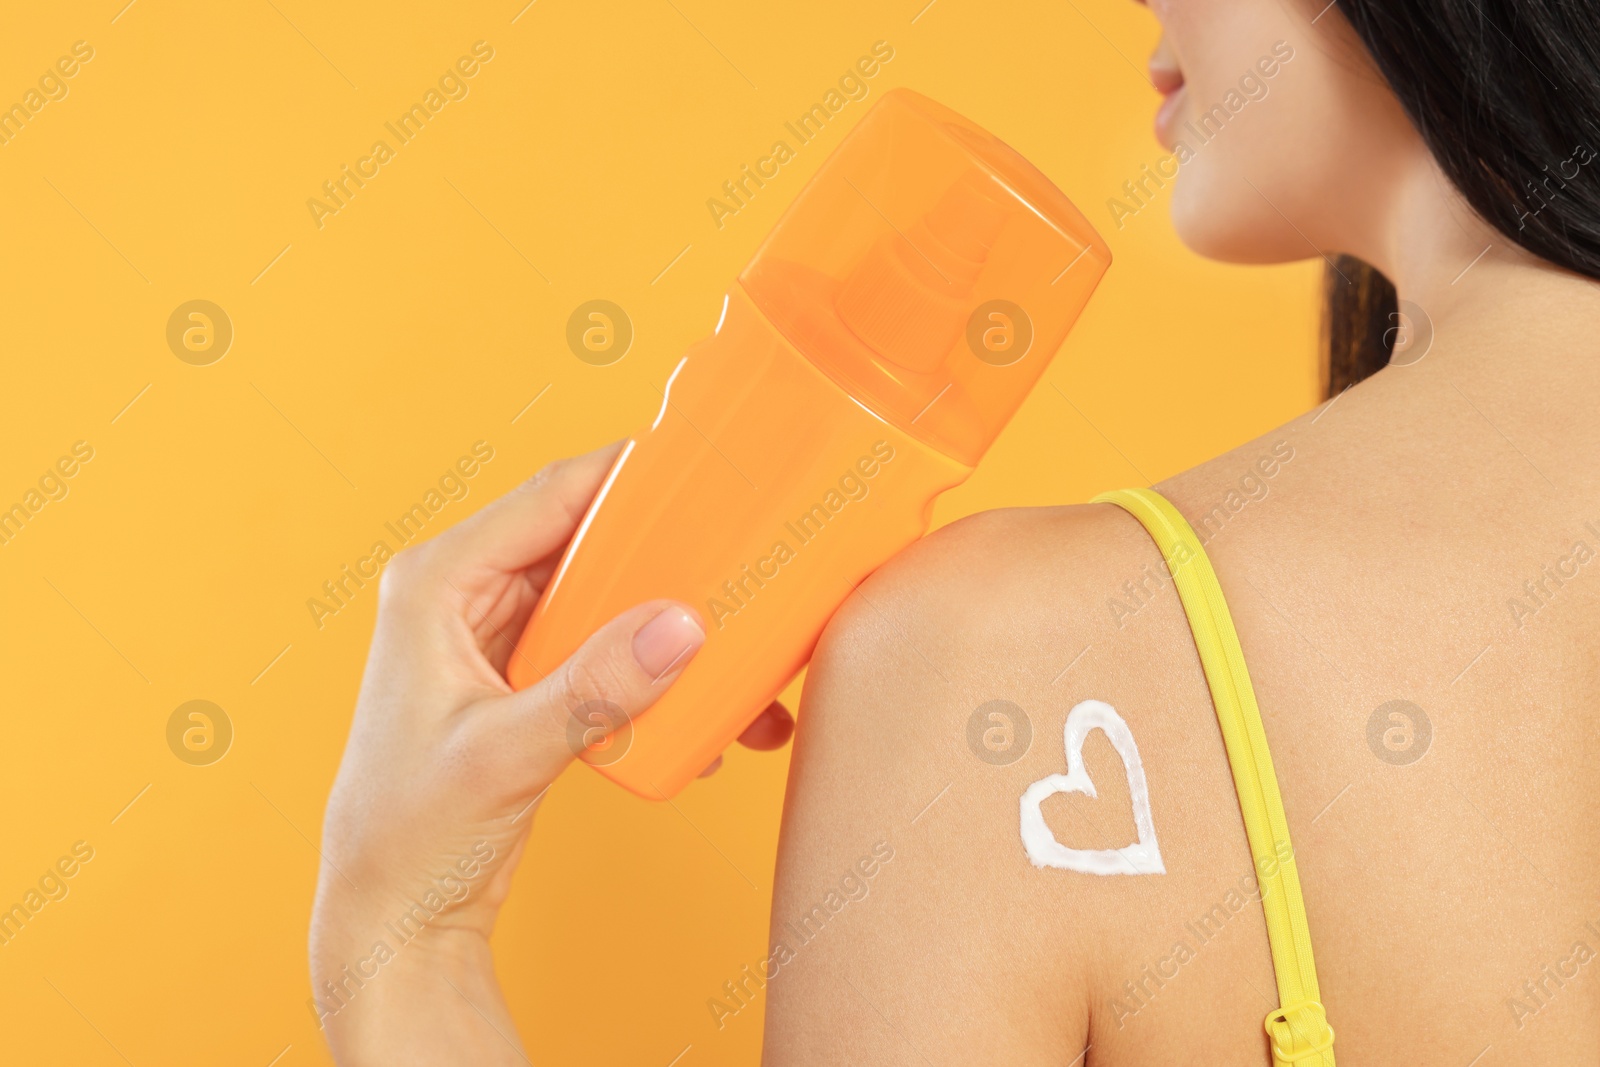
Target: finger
772,729
613,677
532,521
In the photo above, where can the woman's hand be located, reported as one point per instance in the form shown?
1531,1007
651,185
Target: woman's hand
446,765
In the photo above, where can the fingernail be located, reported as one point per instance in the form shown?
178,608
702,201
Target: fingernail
663,643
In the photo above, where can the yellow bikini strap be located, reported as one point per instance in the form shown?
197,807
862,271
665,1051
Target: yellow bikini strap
1298,1030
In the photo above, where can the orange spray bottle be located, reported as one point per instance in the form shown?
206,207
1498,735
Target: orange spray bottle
884,333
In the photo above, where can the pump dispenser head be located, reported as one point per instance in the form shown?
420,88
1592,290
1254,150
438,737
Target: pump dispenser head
930,270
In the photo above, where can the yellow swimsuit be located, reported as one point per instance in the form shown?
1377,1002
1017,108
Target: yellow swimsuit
1299,1029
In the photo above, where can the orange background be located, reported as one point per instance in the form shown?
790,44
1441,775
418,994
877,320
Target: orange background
368,355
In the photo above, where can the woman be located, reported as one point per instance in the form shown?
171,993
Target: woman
1409,569
1411,572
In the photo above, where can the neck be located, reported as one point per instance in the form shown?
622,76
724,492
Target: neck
1472,293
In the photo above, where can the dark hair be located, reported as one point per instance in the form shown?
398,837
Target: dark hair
1359,306
1506,94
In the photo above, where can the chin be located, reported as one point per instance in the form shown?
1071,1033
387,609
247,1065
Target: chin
1219,215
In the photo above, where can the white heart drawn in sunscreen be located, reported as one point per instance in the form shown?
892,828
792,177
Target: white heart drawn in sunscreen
1143,857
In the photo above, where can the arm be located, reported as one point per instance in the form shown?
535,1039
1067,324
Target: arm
445,769
958,949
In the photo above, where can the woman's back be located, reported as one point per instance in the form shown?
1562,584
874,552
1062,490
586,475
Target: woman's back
1414,572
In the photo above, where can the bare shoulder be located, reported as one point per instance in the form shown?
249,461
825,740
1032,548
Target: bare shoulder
951,594
909,917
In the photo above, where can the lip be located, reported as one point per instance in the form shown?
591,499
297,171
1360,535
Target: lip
1167,78
1167,117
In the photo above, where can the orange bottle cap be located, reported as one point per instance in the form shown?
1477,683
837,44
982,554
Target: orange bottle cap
930,270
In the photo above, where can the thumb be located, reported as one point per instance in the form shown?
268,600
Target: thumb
591,700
